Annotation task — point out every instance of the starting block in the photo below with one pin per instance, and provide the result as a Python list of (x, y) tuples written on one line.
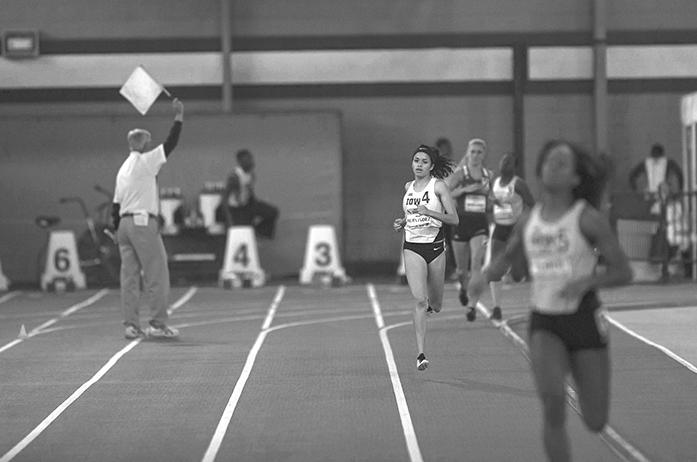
[(62, 269), (322, 257), (241, 266), (4, 283)]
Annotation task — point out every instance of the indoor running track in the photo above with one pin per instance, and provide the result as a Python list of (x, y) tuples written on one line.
[(291, 373)]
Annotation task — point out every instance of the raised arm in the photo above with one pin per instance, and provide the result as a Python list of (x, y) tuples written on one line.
[(173, 137)]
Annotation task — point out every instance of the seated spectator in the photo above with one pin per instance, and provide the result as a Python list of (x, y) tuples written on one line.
[(648, 175), (240, 205)]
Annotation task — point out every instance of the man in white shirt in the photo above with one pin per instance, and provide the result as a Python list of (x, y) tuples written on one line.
[(135, 215)]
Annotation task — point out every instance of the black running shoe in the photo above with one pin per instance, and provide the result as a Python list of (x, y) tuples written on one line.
[(496, 313), (464, 300), (471, 314), (421, 362)]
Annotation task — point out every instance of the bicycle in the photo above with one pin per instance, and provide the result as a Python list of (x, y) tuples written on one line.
[(98, 252)]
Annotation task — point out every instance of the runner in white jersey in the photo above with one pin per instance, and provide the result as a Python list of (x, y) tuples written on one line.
[(510, 196), (426, 205), (470, 186), (557, 252), (562, 238)]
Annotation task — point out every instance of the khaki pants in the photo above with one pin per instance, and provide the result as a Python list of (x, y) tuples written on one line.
[(142, 249)]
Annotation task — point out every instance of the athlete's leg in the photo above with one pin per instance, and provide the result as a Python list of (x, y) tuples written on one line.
[(494, 248), (477, 252), (436, 280), (416, 270), (550, 365), (461, 249), (591, 372)]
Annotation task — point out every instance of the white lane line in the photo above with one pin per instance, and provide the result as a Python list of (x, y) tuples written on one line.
[(614, 440), (224, 422), (9, 455), (183, 299), (9, 296), (668, 352), (72, 309), (405, 417)]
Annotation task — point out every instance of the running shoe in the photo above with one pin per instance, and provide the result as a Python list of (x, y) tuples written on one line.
[(471, 313), (132, 332), (421, 362), (496, 313), (162, 331), (464, 300), (430, 310)]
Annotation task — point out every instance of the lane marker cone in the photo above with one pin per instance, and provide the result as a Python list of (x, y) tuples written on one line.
[(23, 332), (241, 267), (62, 270), (322, 258)]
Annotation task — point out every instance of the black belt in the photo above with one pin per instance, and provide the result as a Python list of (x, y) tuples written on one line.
[(152, 215)]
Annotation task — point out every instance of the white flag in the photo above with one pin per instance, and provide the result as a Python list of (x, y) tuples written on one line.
[(141, 90)]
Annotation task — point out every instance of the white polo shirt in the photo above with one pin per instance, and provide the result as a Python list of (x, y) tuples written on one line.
[(136, 184)]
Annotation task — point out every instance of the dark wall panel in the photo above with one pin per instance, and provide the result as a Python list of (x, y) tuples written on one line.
[(68, 19), (44, 158), (379, 136)]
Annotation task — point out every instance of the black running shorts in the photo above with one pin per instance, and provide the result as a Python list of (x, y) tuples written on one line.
[(583, 329)]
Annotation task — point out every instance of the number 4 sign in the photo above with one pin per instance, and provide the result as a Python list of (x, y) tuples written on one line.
[(62, 263), (321, 255), (241, 264)]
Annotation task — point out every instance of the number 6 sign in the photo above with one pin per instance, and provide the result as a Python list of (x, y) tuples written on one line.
[(62, 260)]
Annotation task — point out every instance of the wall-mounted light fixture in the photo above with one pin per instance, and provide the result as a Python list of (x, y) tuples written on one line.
[(20, 44)]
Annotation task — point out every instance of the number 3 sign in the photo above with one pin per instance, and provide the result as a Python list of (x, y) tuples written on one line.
[(321, 255)]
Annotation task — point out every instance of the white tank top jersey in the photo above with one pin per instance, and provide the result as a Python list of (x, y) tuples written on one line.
[(557, 253), (511, 202), (421, 228)]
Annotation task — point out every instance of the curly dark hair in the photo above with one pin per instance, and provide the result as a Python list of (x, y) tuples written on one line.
[(591, 170), (442, 166)]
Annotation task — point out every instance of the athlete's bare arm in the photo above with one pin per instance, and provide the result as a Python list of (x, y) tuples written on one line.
[(450, 216)]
